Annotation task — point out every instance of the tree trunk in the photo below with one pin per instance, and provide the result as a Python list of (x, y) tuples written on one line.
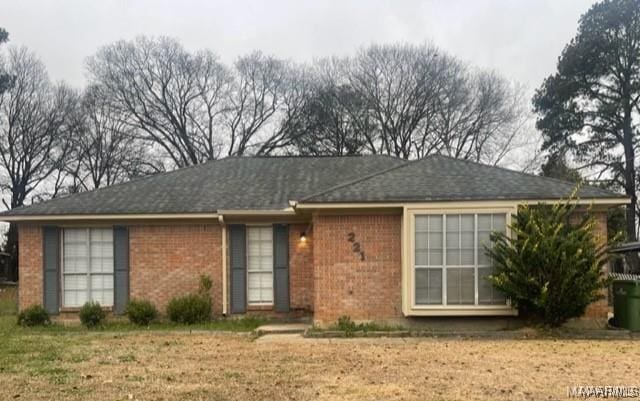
[(632, 258), (11, 247)]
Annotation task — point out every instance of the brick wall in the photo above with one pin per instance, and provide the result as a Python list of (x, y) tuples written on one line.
[(599, 309), (30, 262), (167, 260), (368, 289), (300, 268)]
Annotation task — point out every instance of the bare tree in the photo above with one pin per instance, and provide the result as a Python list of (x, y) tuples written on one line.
[(106, 150), (327, 122), (172, 96), (479, 116), (257, 91), (400, 85), (34, 133)]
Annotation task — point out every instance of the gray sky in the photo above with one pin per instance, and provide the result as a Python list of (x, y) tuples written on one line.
[(520, 38)]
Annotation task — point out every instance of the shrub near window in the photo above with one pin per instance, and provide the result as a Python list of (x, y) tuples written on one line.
[(141, 312), (91, 314), (189, 309), (192, 308), (34, 315), (551, 266)]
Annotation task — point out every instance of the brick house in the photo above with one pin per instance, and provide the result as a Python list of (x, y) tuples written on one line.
[(372, 237)]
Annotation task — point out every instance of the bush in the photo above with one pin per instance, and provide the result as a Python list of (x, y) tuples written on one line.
[(141, 312), (189, 309), (346, 324), (34, 315), (91, 314), (551, 267)]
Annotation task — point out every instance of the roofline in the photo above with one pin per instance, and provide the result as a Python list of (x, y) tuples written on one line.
[(257, 212), (150, 216), (76, 217), (414, 204), (294, 205)]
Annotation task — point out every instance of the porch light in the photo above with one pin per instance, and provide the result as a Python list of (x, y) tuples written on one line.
[(303, 237)]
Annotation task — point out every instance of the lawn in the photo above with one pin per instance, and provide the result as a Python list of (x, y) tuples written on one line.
[(169, 364), (221, 360)]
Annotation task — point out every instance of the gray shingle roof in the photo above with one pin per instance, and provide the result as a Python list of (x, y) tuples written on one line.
[(442, 178), (243, 183), (269, 183)]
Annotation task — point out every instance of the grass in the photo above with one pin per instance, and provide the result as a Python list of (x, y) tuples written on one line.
[(179, 365), (8, 300), (171, 362)]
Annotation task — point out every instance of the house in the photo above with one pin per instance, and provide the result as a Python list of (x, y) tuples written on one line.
[(371, 237)]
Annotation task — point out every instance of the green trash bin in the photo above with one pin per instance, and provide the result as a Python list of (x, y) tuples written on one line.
[(626, 304)]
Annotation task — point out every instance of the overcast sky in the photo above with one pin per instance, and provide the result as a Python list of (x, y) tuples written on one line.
[(520, 38)]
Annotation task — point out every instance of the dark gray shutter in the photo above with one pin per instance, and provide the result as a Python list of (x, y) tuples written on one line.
[(120, 269), (281, 267), (238, 259), (51, 269)]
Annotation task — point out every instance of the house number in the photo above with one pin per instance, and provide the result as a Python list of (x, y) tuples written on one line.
[(355, 246)]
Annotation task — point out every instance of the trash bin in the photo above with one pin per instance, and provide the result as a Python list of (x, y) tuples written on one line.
[(626, 304)]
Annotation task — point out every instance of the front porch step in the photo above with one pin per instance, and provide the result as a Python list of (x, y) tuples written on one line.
[(284, 328)]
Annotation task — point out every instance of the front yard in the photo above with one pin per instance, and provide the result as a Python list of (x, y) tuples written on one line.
[(45, 364)]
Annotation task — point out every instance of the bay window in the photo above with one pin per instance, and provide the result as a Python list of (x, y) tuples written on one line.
[(450, 265), (87, 266)]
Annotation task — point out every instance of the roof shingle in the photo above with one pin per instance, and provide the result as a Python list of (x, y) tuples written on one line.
[(269, 183)]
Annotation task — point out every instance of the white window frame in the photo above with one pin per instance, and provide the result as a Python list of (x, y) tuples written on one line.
[(259, 304), (410, 308), (88, 273)]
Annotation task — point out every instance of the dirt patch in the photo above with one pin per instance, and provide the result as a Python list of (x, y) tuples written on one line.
[(204, 366)]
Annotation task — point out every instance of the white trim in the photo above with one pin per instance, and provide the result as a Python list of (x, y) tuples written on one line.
[(75, 217), (239, 212), (456, 203), (469, 311), (409, 307), (224, 267)]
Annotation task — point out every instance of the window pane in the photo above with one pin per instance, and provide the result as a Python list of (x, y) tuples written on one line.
[(483, 258), (88, 254), (421, 240), (435, 240), (466, 257), (421, 258), (428, 286), (466, 222), (499, 222), (422, 223), (75, 282), (487, 294), (76, 252), (101, 282), (453, 223), (75, 290), (260, 268), (484, 222), (467, 240), (460, 286), (435, 257), (435, 223), (453, 257), (453, 240)]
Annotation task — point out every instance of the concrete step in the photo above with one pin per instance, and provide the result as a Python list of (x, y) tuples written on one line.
[(283, 328)]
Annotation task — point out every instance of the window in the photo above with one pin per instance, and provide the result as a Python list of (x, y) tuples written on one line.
[(87, 266), (450, 262), (260, 264)]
